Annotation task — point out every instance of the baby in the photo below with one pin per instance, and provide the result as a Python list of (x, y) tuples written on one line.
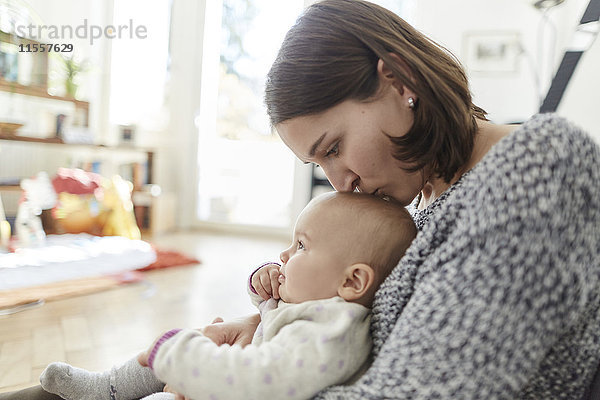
[(316, 335)]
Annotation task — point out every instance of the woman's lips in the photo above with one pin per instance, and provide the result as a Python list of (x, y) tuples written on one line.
[(281, 278), (379, 193)]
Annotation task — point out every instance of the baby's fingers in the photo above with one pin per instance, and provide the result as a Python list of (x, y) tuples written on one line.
[(257, 285), (261, 291), (274, 281), (265, 282)]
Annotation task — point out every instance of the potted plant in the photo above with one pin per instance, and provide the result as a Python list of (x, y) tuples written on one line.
[(72, 69)]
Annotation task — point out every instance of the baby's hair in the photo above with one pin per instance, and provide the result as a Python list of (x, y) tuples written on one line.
[(383, 229)]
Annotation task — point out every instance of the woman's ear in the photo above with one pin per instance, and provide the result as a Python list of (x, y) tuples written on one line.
[(386, 75), (358, 279)]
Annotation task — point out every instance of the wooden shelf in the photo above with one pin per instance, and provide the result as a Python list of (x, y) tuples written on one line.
[(42, 91), (15, 138), (10, 188), (37, 91), (58, 141)]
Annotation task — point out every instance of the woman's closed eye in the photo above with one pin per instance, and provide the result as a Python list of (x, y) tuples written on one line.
[(334, 150)]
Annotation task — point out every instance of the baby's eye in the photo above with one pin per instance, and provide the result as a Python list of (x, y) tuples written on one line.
[(300, 245)]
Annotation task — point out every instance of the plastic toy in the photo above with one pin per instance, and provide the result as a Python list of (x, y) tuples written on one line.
[(92, 204), (38, 195), (4, 229), (120, 219)]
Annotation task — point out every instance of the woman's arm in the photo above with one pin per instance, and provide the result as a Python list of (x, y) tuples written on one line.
[(237, 331), (301, 359)]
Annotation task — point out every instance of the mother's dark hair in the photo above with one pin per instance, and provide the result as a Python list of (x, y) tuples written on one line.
[(330, 55)]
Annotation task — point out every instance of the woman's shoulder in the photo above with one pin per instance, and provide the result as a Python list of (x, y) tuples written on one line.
[(545, 144), (539, 152), (550, 123), (523, 172), (540, 134)]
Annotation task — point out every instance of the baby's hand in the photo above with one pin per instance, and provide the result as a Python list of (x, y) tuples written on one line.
[(266, 281)]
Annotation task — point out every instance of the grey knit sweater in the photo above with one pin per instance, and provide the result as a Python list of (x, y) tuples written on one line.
[(498, 296)]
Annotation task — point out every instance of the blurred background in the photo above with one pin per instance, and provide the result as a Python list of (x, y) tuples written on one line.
[(175, 99)]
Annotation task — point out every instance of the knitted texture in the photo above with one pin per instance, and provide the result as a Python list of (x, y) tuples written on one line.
[(498, 296)]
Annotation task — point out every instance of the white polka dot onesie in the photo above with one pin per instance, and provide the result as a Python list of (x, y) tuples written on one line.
[(297, 350)]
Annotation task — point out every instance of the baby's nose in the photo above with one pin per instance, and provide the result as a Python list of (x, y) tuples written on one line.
[(283, 257)]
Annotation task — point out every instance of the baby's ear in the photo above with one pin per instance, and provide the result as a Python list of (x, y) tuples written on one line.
[(358, 279)]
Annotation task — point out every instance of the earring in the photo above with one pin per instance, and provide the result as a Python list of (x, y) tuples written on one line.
[(411, 103)]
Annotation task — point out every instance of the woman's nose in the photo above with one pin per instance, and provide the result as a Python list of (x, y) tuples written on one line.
[(342, 180)]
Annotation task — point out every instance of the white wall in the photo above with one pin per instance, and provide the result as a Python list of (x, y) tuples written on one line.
[(507, 96), (581, 101), (177, 169)]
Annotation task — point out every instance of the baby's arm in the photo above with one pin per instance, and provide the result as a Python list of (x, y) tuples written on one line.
[(303, 358)]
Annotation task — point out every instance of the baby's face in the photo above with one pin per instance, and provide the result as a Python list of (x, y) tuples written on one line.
[(313, 265)]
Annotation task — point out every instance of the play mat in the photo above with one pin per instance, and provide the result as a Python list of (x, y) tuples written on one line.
[(72, 256)]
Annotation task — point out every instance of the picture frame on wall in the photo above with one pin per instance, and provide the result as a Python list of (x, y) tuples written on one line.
[(9, 66), (27, 68), (127, 134), (492, 52)]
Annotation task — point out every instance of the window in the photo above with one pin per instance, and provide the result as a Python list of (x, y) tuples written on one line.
[(139, 66), (246, 174)]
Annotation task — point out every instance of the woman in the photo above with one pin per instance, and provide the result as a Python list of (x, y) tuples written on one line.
[(498, 296)]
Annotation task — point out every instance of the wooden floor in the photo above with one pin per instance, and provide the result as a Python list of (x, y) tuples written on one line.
[(99, 330)]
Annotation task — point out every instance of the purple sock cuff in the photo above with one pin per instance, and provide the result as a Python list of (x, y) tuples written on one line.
[(255, 271), (159, 343)]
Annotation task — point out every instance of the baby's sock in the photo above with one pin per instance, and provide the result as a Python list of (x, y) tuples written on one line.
[(127, 382)]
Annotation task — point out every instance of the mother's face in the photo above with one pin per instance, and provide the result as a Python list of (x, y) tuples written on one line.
[(349, 142)]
